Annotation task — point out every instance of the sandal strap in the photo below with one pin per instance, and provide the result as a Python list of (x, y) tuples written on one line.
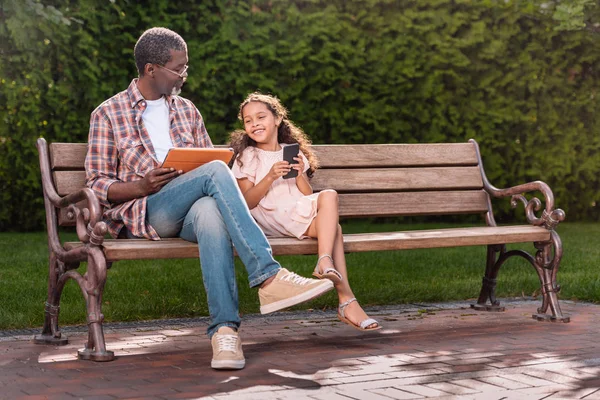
[(345, 304), (333, 270), (367, 322), (324, 256)]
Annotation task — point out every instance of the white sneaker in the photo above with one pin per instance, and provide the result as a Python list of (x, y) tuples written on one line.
[(289, 289), (227, 349)]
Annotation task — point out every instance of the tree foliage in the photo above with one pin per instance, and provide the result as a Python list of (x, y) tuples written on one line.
[(519, 77)]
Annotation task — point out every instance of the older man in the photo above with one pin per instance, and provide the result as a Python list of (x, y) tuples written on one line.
[(130, 134)]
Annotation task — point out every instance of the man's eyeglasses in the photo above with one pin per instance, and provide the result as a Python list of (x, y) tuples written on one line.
[(182, 74)]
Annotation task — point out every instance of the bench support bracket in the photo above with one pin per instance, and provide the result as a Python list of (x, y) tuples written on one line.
[(545, 262)]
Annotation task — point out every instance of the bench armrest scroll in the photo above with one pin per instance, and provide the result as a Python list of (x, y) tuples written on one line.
[(550, 216), (89, 224)]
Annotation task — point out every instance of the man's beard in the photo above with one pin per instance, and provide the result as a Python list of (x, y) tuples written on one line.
[(176, 90)]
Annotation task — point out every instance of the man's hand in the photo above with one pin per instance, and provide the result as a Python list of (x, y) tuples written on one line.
[(156, 179), (120, 192)]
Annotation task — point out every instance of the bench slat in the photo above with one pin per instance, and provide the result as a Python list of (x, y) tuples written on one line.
[(67, 156), (67, 182), (413, 203), (392, 204), (383, 179), (396, 155), (134, 249), (368, 180)]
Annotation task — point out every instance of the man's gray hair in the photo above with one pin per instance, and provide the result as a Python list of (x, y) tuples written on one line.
[(154, 47)]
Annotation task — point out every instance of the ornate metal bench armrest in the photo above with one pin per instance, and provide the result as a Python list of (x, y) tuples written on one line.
[(89, 225), (550, 216)]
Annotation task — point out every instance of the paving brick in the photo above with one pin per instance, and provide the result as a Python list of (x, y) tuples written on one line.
[(541, 391), (451, 388), (365, 395), (528, 380), (504, 383), (464, 368), (593, 396), (415, 373), (394, 393), (477, 385), (476, 354), (328, 396), (553, 376), (574, 394), (422, 390), (363, 378)]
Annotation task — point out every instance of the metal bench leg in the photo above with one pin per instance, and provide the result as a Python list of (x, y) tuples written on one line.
[(488, 287), (547, 268), (51, 333), (95, 348)]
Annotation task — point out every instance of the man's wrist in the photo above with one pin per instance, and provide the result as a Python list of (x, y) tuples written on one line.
[(139, 191)]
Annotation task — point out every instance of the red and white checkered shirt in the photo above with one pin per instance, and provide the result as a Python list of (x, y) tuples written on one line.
[(120, 150)]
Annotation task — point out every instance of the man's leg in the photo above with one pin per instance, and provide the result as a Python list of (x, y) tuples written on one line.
[(204, 225), (171, 214), (169, 208)]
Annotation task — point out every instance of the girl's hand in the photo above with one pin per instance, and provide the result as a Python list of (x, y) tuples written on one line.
[(278, 170), (299, 166)]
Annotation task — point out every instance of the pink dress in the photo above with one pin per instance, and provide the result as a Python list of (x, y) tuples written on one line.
[(284, 211)]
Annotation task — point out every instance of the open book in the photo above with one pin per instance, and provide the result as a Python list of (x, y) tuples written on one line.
[(186, 158)]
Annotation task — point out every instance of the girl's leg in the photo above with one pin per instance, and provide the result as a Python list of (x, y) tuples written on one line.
[(326, 228)]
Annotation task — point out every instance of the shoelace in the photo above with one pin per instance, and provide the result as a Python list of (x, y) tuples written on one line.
[(227, 342), (297, 279)]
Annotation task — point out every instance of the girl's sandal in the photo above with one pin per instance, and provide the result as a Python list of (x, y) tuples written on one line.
[(363, 326), (329, 273)]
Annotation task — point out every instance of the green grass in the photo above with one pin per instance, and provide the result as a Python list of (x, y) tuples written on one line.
[(173, 288)]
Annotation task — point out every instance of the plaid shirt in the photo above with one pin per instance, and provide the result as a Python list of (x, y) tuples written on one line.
[(120, 150)]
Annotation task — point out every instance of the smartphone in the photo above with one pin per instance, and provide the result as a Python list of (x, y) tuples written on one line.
[(289, 152)]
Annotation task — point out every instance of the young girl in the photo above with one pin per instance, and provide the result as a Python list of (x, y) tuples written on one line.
[(288, 207)]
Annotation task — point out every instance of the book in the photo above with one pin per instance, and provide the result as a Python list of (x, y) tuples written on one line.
[(189, 158)]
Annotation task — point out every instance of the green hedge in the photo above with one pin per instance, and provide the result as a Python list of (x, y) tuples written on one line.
[(350, 71)]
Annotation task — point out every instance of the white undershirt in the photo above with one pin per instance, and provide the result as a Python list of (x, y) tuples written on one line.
[(156, 121)]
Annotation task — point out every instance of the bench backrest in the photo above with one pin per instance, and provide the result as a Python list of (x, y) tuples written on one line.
[(372, 180)]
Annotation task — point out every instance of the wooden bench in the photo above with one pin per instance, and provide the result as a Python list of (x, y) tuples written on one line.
[(372, 180)]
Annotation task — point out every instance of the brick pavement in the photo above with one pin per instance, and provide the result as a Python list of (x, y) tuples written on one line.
[(432, 351)]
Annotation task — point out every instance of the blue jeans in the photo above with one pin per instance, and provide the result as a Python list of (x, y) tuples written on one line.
[(206, 206)]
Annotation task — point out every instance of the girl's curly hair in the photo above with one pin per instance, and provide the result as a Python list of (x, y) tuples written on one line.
[(287, 132)]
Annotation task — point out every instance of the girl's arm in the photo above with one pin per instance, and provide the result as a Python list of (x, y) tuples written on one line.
[(302, 178), (253, 194), (303, 184)]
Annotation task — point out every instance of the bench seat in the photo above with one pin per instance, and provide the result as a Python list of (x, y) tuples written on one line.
[(140, 249)]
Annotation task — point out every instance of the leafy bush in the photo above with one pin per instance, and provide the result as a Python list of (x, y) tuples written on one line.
[(516, 76)]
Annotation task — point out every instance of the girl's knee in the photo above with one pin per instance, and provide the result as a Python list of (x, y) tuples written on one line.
[(329, 196)]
